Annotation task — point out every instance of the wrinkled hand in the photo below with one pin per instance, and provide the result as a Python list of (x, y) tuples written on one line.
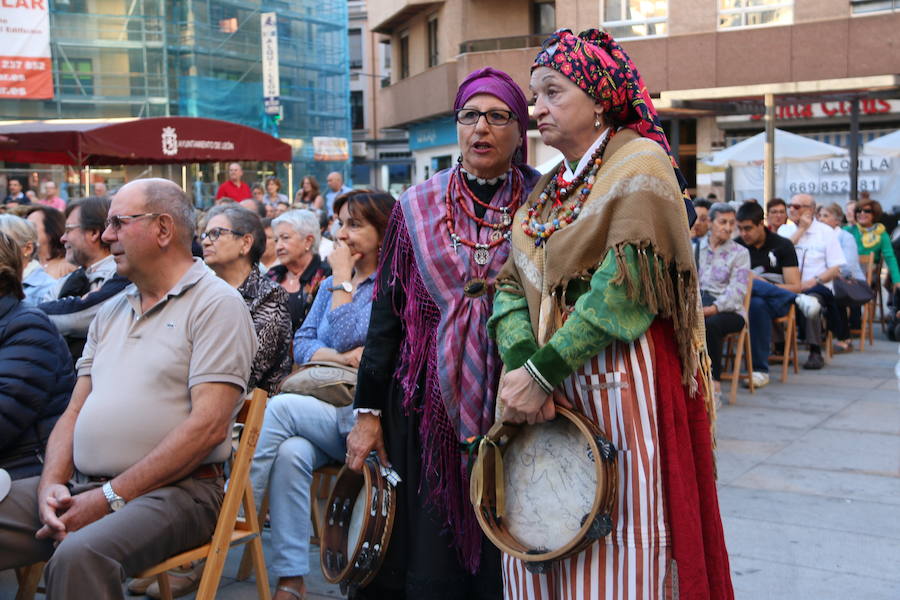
[(86, 508), (351, 358), (523, 399), (805, 221), (342, 262), (53, 500), (365, 436)]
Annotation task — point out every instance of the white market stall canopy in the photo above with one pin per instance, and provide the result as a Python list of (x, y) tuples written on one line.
[(886, 145), (789, 147)]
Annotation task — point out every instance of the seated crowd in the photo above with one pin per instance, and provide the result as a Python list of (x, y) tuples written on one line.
[(91, 465)]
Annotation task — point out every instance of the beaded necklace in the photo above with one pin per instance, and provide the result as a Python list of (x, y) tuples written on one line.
[(562, 215), (500, 230)]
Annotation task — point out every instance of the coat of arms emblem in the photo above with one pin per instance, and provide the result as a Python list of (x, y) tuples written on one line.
[(169, 141)]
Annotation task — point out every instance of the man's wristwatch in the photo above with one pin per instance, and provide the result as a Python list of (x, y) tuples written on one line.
[(115, 501), (346, 286)]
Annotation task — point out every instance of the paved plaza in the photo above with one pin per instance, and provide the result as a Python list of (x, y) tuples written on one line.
[(809, 483)]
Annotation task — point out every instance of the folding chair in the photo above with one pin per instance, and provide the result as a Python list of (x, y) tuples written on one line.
[(789, 354), (735, 347), (230, 530)]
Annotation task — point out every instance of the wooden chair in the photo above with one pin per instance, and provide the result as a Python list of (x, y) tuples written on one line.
[(230, 530), (868, 310), (789, 354), (735, 347)]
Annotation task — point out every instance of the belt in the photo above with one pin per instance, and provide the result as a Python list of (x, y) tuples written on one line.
[(207, 471)]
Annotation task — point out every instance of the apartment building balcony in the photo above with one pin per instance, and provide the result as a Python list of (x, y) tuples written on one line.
[(419, 97), (386, 15)]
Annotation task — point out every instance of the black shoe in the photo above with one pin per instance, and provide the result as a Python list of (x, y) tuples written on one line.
[(815, 361)]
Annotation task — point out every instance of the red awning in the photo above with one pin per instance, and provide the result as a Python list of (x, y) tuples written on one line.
[(156, 140)]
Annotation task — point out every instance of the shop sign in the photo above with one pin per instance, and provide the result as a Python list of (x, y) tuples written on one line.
[(25, 64), (833, 177), (437, 132)]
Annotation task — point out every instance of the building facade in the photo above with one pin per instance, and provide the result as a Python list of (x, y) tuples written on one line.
[(381, 156), (137, 58), (708, 62)]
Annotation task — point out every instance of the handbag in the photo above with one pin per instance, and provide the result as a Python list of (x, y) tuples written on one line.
[(852, 292), (329, 382)]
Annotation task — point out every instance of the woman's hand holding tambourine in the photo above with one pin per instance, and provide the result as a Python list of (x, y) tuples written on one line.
[(525, 402), (365, 436)]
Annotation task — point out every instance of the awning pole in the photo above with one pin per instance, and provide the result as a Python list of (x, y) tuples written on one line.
[(184, 178), (769, 157), (87, 181), (291, 183), (854, 148)]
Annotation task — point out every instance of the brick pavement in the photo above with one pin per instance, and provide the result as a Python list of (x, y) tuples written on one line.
[(809, 479)]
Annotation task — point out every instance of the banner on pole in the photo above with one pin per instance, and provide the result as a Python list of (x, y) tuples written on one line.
[(330, 148), (26, 70), (269, 36)]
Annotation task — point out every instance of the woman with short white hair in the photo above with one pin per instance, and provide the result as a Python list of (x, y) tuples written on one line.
[(35, 281), (297, 238)]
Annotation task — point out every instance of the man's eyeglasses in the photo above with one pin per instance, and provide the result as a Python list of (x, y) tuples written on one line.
[(116, 221), (868, 211), (216, 232), (470, 116), (799, 206), (71, 228)]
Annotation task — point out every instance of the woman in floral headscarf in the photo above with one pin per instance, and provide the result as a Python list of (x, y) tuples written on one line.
[(597, 308), (429, 373)]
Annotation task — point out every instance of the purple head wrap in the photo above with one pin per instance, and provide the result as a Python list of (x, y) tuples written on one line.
[(500, 85)]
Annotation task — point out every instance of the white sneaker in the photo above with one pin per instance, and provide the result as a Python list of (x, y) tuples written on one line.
[(760, 379), (808, 305)]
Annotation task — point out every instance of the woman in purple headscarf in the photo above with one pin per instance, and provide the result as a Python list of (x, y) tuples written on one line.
[(429, 372)]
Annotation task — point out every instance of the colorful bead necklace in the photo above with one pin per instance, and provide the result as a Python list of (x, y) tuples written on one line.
[(562, 215), (459, 190)]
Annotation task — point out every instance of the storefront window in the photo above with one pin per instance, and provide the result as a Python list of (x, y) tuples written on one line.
[(862, 7), (625, 19), (734, 14)]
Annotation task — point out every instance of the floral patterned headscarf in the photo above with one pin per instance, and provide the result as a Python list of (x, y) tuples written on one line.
[(598, 65)]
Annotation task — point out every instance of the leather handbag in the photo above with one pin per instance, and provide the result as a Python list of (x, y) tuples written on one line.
[(330, 382), (852, 291)]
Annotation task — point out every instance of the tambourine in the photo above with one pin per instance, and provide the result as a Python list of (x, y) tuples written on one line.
[(544, 492), (357, 524)]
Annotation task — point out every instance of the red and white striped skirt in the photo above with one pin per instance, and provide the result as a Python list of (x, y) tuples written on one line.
[(615, 389)]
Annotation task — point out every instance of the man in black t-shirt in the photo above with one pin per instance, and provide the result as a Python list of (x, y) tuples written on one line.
[(775, 274)]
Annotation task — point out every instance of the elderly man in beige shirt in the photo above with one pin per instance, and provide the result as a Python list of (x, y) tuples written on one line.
[(133, 472)]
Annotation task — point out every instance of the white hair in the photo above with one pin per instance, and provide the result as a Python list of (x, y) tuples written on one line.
[(304, 222), (21, 231)]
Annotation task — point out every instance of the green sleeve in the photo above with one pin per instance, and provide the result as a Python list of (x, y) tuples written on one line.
[(510, 326), (887, 254), (601, 315)]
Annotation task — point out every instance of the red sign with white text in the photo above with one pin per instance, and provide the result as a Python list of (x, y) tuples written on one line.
[(25, 63)]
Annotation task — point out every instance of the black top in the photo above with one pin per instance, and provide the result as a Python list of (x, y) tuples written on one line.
[(775, 254), (300, 301)]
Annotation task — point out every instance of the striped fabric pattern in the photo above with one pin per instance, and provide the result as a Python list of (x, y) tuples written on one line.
[(615, 390)]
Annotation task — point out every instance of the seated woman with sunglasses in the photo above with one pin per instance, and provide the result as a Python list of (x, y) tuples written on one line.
[(872, 238)]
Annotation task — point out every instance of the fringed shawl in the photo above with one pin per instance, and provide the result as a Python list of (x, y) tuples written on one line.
[(635, 201), (446, 348)]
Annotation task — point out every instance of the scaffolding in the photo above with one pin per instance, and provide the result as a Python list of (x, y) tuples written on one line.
[(137, 58)]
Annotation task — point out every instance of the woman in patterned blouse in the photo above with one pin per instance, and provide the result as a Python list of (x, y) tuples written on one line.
[(233, 241)]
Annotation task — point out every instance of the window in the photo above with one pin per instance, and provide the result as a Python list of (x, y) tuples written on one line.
[(76, 76), (357, 111), (543, 16), (355, 49), (625, 19), (755, 13), (862, 7), (432, 42), (404, 56)]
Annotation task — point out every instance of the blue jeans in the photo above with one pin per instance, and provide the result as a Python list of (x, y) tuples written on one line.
[(767, 302), (299, 434)]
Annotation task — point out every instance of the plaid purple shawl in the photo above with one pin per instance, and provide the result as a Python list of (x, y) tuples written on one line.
[(446, 347)]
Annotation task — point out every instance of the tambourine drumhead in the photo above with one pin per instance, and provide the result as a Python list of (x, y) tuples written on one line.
[(550, 483), (543, 492), (5, 484), (355, 528)]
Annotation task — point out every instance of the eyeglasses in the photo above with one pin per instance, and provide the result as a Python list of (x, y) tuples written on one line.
[(799, 206), (116, 221), (71, 228), (868, 211), (470, 116), (214, 233)]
